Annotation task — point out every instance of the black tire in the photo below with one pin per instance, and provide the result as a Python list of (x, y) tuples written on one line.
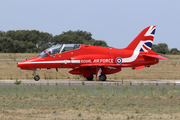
[(36, 78), (90, 78), (102, 77)]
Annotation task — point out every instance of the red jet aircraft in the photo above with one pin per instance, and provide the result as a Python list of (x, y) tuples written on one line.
[(87, 60)]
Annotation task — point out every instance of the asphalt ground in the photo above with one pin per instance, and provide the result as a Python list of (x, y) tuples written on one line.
[(79, 83)]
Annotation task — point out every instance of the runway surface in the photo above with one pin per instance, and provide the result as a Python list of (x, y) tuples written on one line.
[(85, 82)]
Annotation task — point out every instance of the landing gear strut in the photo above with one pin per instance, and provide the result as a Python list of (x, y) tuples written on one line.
[(36, 77)]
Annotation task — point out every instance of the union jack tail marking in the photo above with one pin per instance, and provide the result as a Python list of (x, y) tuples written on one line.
[(145, 38)]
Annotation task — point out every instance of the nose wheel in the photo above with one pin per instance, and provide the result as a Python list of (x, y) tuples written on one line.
[(36, 77)]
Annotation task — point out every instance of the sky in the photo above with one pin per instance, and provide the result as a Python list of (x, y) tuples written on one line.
[(117, 22)]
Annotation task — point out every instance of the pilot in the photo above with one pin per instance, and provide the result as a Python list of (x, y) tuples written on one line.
[(56, 51), (75, 47), (50, 52)]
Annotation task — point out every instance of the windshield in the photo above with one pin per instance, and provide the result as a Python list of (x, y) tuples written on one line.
[(59, 48), (43, 54)]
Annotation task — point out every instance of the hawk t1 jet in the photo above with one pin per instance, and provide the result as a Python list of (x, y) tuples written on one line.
[(88, 60)]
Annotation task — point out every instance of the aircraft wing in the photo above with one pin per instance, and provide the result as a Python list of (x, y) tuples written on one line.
[(156, 56), (105, 65), (86, 65)]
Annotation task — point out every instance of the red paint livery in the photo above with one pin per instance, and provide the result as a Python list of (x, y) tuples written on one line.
[(87, 60)]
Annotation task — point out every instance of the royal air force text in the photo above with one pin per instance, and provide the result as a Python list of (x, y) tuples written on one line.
[(97, 61)]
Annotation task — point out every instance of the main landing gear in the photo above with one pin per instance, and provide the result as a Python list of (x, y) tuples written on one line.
[(90, 78), (102, 77), (36, 77)]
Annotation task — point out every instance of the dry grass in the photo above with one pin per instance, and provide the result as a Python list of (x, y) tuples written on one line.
[(175, 57), (17, 55), (37, 114), (90, 103), (163, 70)]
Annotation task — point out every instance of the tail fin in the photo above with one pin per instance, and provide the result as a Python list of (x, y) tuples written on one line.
[(143, 42)]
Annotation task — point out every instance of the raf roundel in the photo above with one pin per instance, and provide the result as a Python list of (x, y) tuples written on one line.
[(118, 60)]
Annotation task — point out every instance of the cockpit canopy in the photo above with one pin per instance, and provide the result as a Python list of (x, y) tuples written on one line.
[(59, 48)]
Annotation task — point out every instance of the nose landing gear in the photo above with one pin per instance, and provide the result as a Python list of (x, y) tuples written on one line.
[(36, 77)]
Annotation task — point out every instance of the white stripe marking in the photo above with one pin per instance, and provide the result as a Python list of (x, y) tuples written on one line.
[(135, 54), (75, 61), (61, 61)]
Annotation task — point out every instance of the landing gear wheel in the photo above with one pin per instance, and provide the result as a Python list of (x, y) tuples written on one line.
[(90, 78), (36, 78), (102, 77)]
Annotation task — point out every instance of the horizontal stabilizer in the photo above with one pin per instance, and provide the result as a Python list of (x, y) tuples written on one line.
[(156, 56)]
